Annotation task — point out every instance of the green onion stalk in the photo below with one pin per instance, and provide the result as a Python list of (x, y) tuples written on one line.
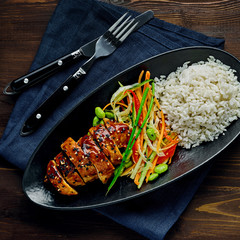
[(133, 139)]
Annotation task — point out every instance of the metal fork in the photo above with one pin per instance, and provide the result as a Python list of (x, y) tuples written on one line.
[(105, 46), (109, 42)]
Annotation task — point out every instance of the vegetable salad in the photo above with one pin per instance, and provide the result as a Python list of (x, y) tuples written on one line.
[(151, 144)]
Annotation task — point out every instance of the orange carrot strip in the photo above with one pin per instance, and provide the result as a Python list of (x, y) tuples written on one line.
[(150, 171), (106, 106), (139, 90), (163, 125), (137, 177), (123, 104), (140, 76), (149, 151), (139, 94), (169, 138), (126, 171), (147, 76)]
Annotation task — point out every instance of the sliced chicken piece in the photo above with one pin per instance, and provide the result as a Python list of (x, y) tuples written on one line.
[(76, 155), (119, 132), (106, 143), (68, 170), (104, 167), (57, 180)]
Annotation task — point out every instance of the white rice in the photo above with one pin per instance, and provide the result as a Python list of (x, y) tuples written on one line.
[(200, 100)]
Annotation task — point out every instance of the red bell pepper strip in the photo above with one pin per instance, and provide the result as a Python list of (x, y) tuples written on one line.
[(168, 154), (136, 104)]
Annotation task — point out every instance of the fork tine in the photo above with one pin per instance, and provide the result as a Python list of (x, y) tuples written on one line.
[(128, 32), (119, 28), (123, 30), (117, 22)]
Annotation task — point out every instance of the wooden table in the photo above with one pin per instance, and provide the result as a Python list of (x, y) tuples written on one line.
[(214, 212)]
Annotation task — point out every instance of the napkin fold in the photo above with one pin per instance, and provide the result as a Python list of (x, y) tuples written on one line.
[(74, 23)]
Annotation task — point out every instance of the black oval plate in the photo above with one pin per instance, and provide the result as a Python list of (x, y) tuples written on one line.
[(93, 195)]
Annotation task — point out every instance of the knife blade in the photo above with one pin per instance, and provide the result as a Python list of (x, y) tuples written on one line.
[(44, 72), (103, 49)]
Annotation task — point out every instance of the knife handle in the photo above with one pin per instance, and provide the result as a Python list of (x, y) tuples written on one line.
[(47, 107), (41, 74)]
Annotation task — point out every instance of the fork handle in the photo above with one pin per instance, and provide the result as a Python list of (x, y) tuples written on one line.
[(47, 107), (42, 73)]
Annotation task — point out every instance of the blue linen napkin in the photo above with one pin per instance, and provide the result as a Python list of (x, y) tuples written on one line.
[(74, 23)]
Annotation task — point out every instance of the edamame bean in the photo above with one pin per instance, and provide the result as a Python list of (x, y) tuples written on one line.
[(151, 134), (109, 114), (128, 164), (153, 177), (161, 168), (95, 121), (99, 112)]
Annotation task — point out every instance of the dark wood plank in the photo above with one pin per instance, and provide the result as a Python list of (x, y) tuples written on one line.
[(214, 212)]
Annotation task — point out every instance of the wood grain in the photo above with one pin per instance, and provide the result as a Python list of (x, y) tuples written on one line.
[(214, 212)]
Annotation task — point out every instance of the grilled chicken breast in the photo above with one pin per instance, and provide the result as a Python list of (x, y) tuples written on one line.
[(119, 132), (103, 166), (67, 169), (83, 165), (91, 157), (57, 180), (106, 143)]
